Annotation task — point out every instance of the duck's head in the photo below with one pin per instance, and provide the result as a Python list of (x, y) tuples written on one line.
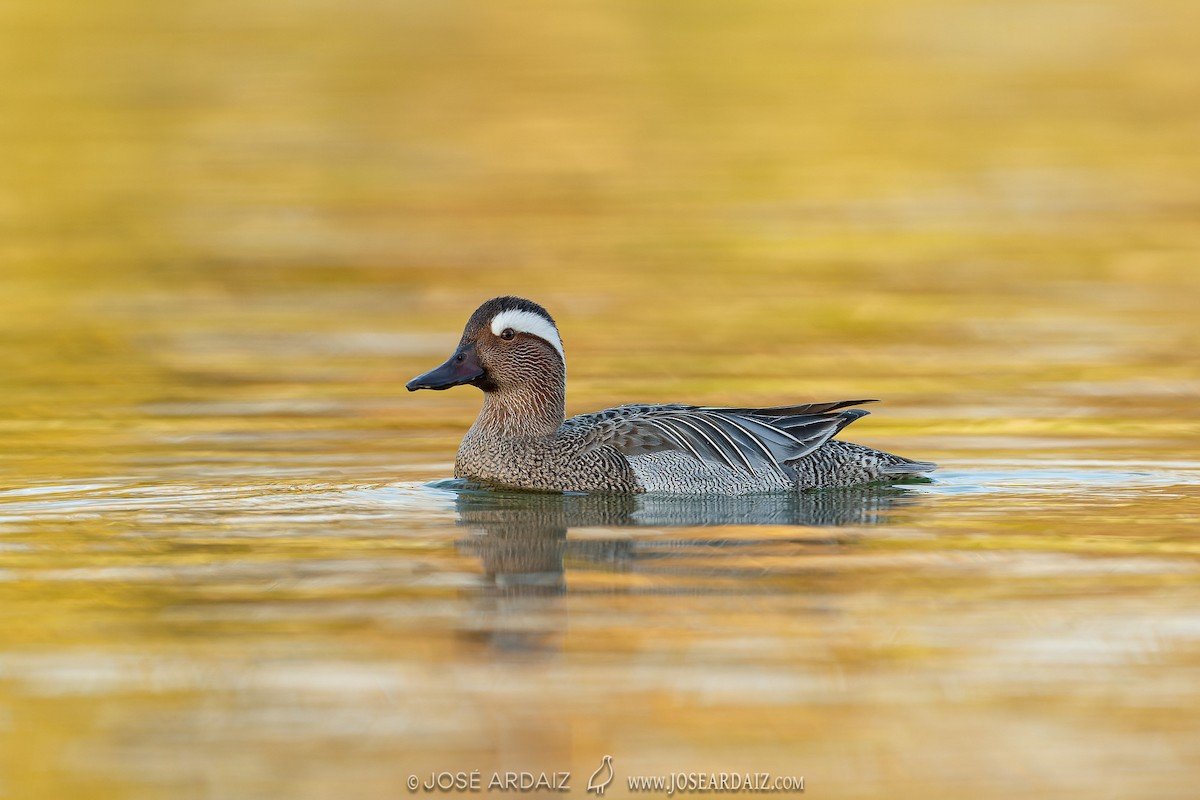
[(509, 343)]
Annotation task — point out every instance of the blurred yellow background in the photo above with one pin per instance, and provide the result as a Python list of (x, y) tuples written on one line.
[(816, 196)]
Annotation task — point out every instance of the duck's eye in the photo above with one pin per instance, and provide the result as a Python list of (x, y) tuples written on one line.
[(507, 334)]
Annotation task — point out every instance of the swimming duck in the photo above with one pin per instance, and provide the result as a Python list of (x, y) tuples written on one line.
[(511, 349)]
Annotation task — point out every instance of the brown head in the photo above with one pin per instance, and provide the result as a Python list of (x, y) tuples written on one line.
[(509, 348)]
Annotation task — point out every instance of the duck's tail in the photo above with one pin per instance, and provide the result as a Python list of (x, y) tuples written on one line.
[(900, 467)]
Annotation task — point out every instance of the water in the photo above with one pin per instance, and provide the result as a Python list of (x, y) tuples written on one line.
[(232, 560), (316, 636)]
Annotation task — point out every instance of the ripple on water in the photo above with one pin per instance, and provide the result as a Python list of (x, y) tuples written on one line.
[(297, 501), (437, 501), (1061, 476)]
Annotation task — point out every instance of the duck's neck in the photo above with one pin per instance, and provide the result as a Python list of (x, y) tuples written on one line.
[(534, 412)]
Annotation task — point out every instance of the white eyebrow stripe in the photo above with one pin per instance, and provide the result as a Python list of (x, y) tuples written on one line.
[(528, 322)]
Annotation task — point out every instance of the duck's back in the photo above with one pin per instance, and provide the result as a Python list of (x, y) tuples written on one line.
[(693, 450)]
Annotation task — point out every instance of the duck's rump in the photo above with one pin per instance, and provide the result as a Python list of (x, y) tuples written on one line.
[(837, 463)]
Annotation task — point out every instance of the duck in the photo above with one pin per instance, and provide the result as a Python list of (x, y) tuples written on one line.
[(511, 349)]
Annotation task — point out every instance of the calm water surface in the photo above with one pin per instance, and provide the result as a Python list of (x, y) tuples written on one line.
[(232, 563)]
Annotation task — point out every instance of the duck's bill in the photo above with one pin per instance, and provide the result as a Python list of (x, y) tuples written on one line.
[(462, 367)]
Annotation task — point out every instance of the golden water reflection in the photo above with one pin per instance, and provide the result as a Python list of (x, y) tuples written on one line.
[(527, 632)]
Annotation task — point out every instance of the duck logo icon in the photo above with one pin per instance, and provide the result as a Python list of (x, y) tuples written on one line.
[(602, 777)]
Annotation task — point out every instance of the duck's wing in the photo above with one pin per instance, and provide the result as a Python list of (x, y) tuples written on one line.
[(743, 439), (796, 411)]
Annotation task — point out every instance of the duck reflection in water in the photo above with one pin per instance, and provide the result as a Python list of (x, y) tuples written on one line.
[(521, 537), (521, 540)]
